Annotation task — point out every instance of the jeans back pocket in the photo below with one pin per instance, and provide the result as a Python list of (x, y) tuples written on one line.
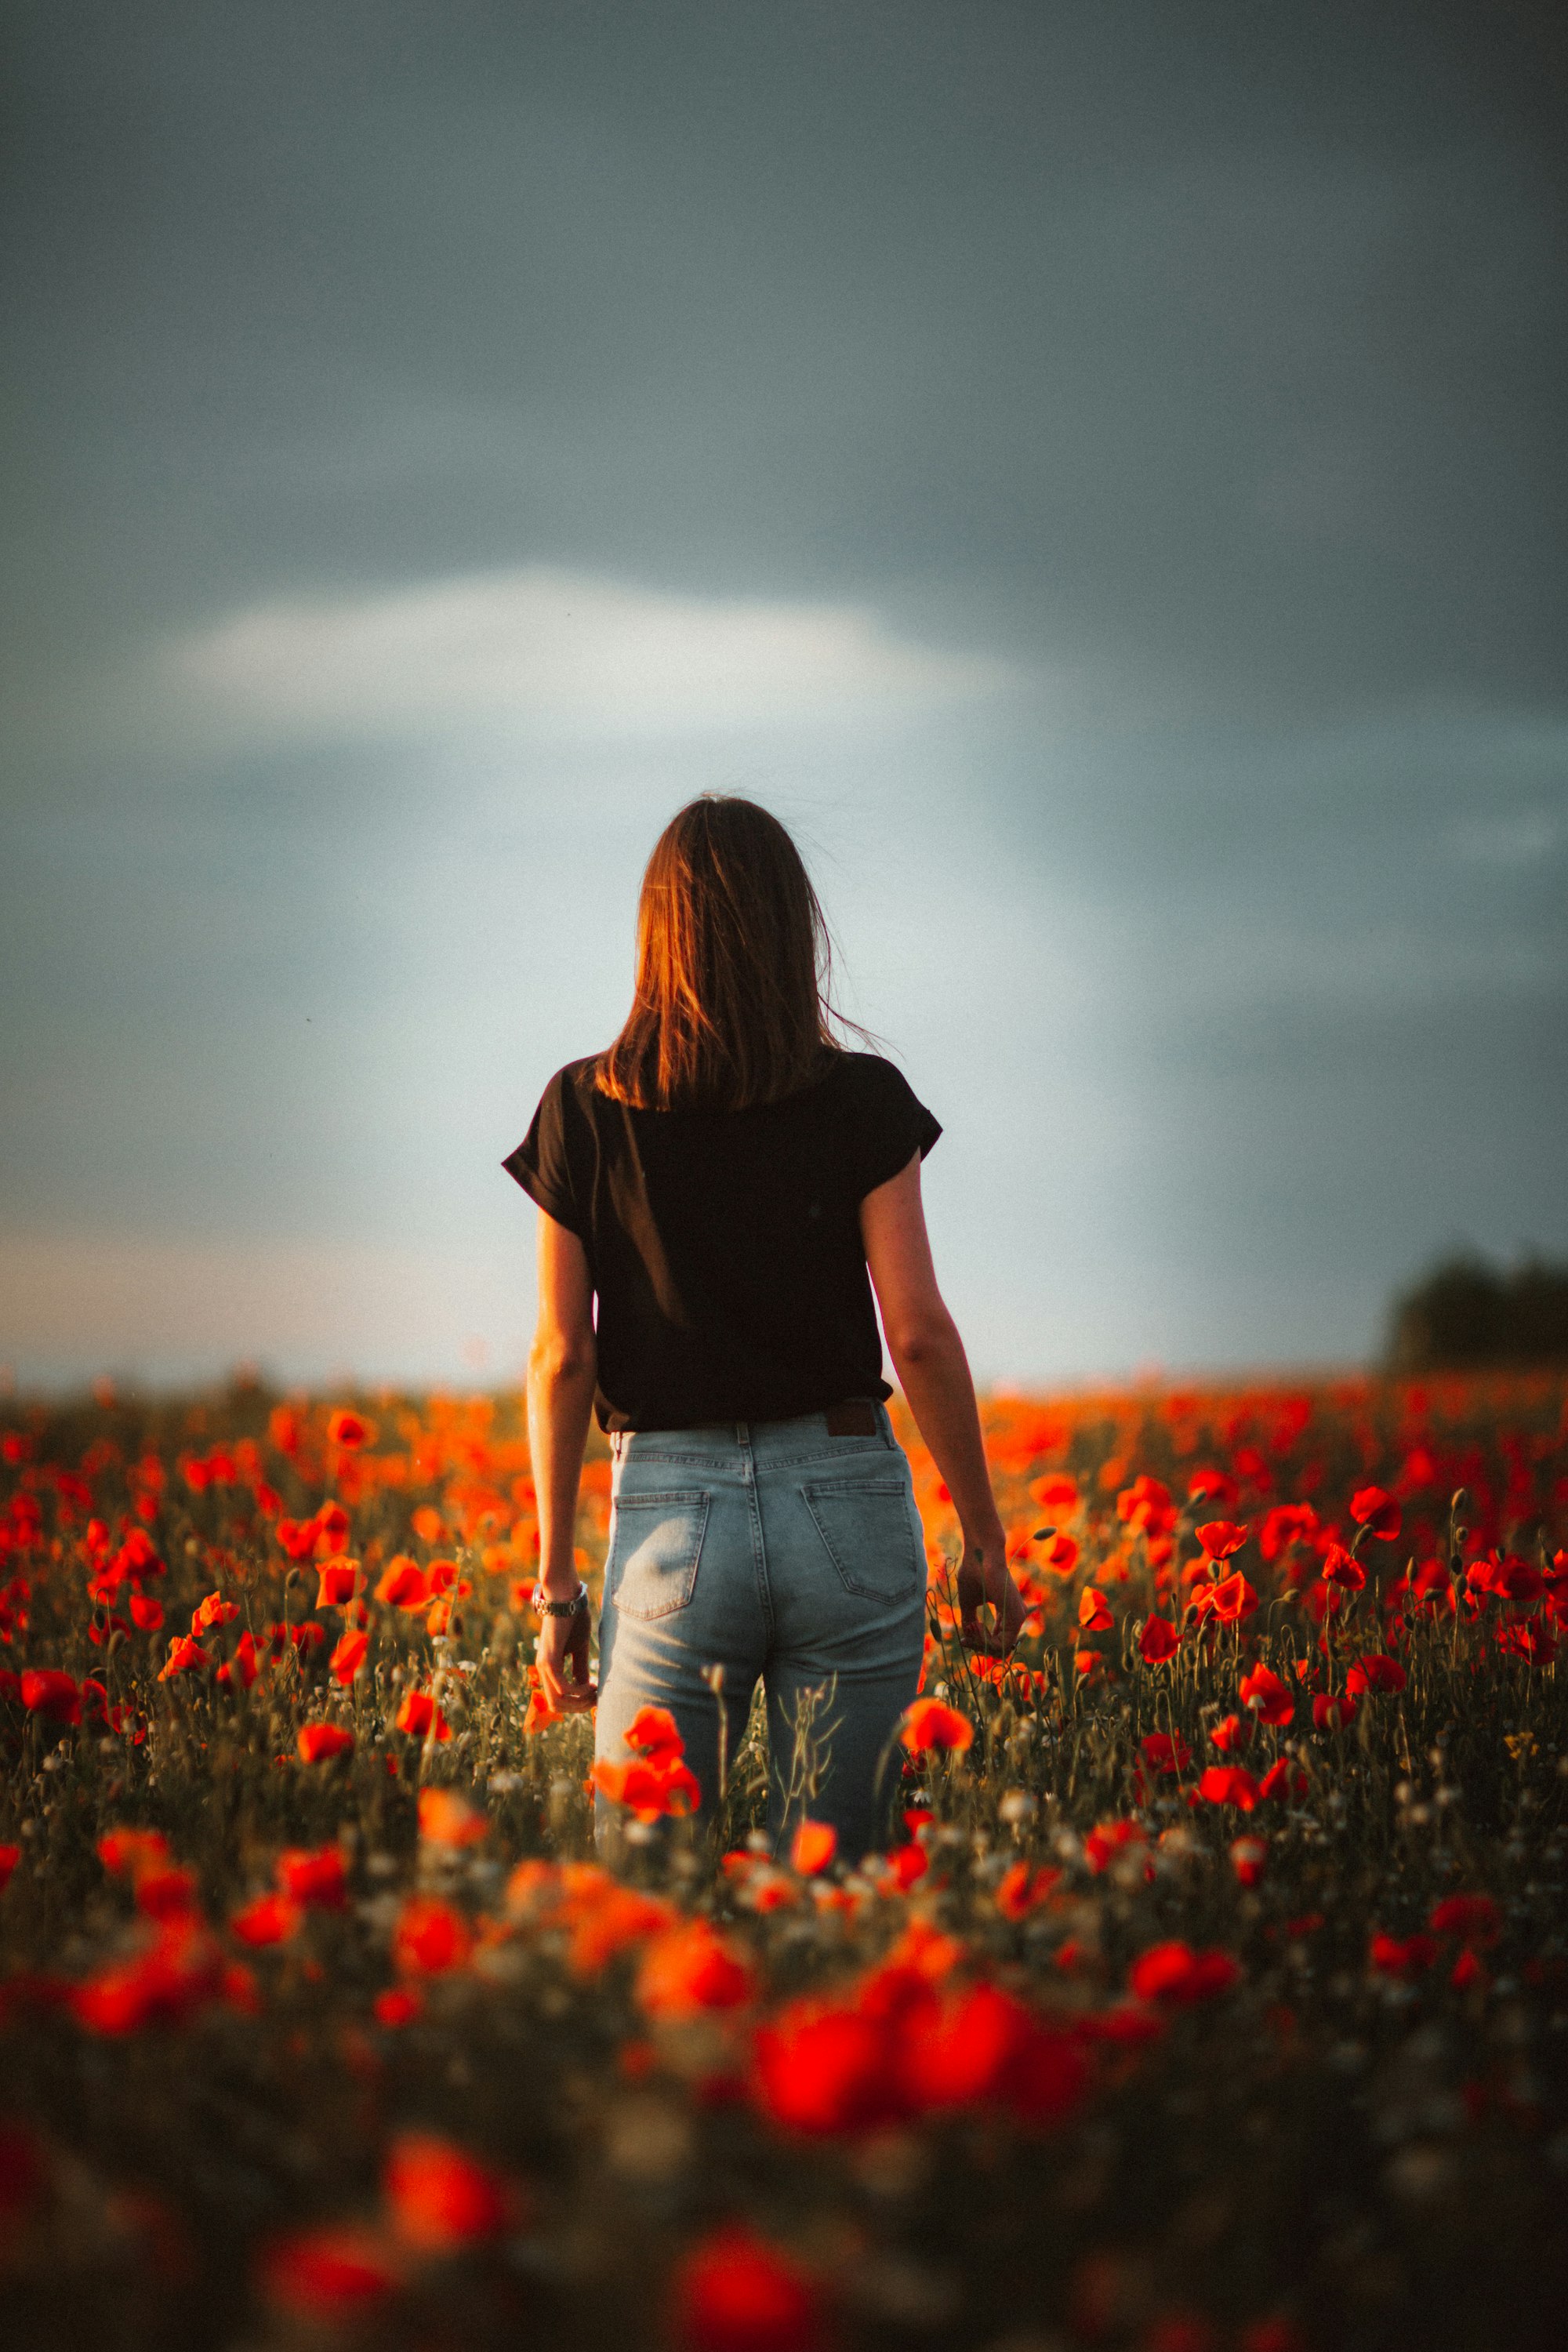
[(868, 1529), (656, 1543)]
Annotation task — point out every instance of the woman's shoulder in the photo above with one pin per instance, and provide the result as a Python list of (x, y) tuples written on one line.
[(869, 1076), (576, 1080), (567, 1102)]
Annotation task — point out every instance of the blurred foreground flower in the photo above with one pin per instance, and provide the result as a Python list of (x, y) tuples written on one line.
[(929, 1723), (335, 2274), (439, 2197), (736, 2292)]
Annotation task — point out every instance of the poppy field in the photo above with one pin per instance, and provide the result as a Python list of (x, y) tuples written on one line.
[(1212, 1996)]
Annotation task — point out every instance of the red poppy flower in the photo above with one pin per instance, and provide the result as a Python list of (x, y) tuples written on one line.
[(1056, 1493), (348, 1657), (1410, 1959), (1146, 1507), (927, 1724), (48, 1693), (1248, 1857), (1220, 1537), (1108, 1839), (397, 2006), (1473, 1918), (1060, 1553), (1166, 1753), (540, 1712), (127, 1854), (906, 1865), (430, 1937), (331, 1524), (180, 1974), (653, 1732), (270, 1919), (347, 1429), (1517, 1579), (146, 1612), (404, 1583), (1094, 1611), (339, 1579), (321, 1741), (1021, 1889), (691, 1969), (1126, 2025), (812, 1847), (419, 1715), (1286, 1524), (213, 1612), (166, 1894), (1231, 1600), (1231, 1733), (1375, 1673), (1282, 1781), (1173, 1973), (1271, 1700), (1340, 1568), (447, 1818), (957, 2054), (651, 1787), (1229, 1784), (1332, 1711), (733, 2292), (439, 2197), (1159, 1641), (820, 2068), (1372, 1508), (184, 1657), (10, 1856), (244, 1666), (313, 1876), (336, 2273)]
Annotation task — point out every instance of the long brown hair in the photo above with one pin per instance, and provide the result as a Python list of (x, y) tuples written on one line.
[(735, 964)]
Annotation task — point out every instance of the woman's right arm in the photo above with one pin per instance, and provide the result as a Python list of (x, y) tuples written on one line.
[(562, 1370), (934, 1372)]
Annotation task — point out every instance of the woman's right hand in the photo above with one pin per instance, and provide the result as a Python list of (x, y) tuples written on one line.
[(984, 1576), (561, 1655)]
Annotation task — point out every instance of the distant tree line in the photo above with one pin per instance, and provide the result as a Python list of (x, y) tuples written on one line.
[(1466, 1312)]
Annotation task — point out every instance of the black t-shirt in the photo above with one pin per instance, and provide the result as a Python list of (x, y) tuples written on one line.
[(724, 1246)]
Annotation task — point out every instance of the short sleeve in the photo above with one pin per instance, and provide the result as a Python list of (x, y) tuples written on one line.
[(895, 1125), (541, 1162)]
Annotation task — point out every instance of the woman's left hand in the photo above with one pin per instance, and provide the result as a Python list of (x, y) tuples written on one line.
[(561, 1654), (984, 1577)]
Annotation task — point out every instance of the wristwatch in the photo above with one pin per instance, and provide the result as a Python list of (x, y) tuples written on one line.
[(540, 1604)]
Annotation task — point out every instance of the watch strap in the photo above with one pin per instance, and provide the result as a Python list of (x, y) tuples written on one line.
[(542, 1606)]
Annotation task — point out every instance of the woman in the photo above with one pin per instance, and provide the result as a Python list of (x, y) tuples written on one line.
[(724, 1178)]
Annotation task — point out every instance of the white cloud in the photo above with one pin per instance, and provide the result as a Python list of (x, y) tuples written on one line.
[(555, 650)]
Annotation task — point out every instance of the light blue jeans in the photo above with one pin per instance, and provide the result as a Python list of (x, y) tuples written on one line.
[(769, 1548)]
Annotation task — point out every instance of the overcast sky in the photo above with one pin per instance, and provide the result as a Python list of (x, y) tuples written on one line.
[(1097, 471)]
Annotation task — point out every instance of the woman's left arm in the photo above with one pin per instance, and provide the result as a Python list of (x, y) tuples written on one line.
[(562, 1368)]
